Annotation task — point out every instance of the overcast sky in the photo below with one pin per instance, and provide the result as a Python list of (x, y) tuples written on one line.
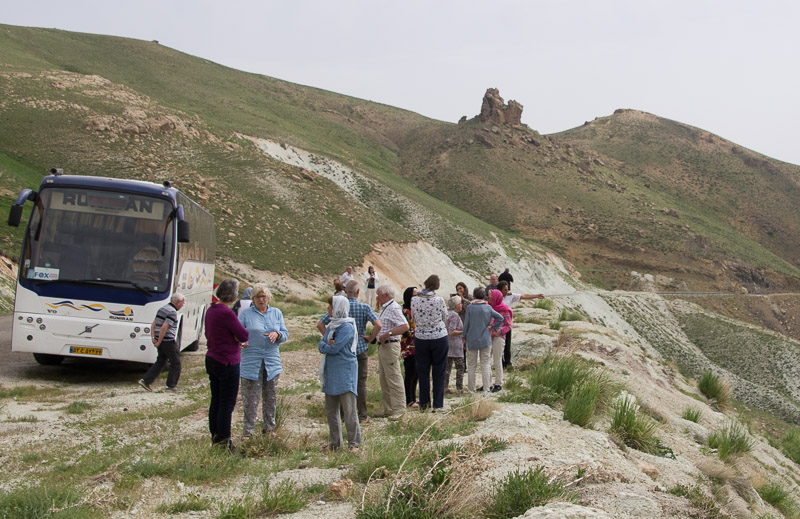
[(726, 66)]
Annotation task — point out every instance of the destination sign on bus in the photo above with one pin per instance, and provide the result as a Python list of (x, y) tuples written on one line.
[(108, 203)]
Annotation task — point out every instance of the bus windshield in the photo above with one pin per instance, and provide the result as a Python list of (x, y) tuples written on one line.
[(99, 237)]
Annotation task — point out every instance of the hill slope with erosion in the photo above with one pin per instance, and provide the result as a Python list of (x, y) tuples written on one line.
[(630, 192), (303, 182)]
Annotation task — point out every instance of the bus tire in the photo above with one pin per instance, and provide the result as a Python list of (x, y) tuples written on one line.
[(46, 359), (194, 346)]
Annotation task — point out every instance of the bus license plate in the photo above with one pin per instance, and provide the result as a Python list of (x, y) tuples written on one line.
[(82, 350)]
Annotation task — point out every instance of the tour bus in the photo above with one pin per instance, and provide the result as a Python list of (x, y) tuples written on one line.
[(99, 258)]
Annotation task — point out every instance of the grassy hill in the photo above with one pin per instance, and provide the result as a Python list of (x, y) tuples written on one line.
[(631, 191)]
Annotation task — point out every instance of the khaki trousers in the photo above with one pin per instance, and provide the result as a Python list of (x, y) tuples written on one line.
[(393, 391), (486, 368)]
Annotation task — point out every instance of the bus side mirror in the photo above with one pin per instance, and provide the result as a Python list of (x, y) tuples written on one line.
[(15, 215), (183, 231)]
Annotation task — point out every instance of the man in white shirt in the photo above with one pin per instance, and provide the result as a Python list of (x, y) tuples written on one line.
[(509, 299), (393, 326)]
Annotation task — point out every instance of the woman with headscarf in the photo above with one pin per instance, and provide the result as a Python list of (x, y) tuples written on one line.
[(499, 336), (407, 350), (244, 302), (339, 375), (261, 360), (225, 337), (430, 342)]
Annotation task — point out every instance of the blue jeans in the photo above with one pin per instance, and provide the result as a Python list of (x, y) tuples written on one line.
[(431, 356), (224, 379)]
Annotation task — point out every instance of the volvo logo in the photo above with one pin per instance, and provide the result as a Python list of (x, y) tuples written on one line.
[(88, 329)]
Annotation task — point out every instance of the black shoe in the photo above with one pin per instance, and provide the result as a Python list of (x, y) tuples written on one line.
[(496, 388), (145, 385), (480, 389)]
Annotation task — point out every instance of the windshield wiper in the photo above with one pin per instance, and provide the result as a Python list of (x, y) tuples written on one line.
[(98, 282)]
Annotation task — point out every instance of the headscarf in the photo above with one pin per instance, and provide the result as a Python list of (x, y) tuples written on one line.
[(247, 292), (407, 295), (496, 300), (341, 315)]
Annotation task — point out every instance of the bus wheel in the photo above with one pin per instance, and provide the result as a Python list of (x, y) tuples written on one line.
[(193, 346), (45, 359)]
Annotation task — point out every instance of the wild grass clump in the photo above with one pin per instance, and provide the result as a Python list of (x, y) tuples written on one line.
[(520, 491), (294, 306), (78, 407), (775, 494), (191, 503), (704, 504), (440, 484), (731, 440), (569, 315), (283, 498), (308, 342), (544, 304), (692, 414), (633, 428), (584, 389), (790, 444), (46, 501), (714, 388), (187, 461), (555, 325)]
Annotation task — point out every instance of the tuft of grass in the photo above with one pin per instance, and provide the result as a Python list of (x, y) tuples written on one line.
[(187, 461), (78, 407), (584, 399), (692, 414), (714, 388), (192, 503), (555, 325), (705, 505), (731, 440), (284, 498), (633, 428), (45, 501), (775, 494), (544, 304), (790, 444), (520, 491), (569, 315)]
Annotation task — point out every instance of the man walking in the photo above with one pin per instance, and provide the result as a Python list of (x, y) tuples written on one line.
[(163, 333), (509, 299), (362, 314), (393, 392)]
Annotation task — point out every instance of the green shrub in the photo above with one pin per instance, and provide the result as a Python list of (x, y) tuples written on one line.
[(790, 444), (520, 491), (633, 428), (714, 388), (187, 461), (692, 414), (732, 439), (544, 304), (555, 325)]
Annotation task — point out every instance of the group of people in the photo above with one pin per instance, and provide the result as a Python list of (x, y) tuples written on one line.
[(427, 334)]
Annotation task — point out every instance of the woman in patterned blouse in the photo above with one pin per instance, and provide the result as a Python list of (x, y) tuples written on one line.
[(430, 343)]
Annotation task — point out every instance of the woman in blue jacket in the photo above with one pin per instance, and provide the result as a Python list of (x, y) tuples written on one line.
[(339, 375), (478, 320), (261, 359)]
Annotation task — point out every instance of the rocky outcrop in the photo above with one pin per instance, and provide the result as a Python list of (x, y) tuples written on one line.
[(494, 110)]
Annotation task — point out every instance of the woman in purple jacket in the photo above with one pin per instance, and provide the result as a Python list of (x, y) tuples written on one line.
[(226, 337)]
